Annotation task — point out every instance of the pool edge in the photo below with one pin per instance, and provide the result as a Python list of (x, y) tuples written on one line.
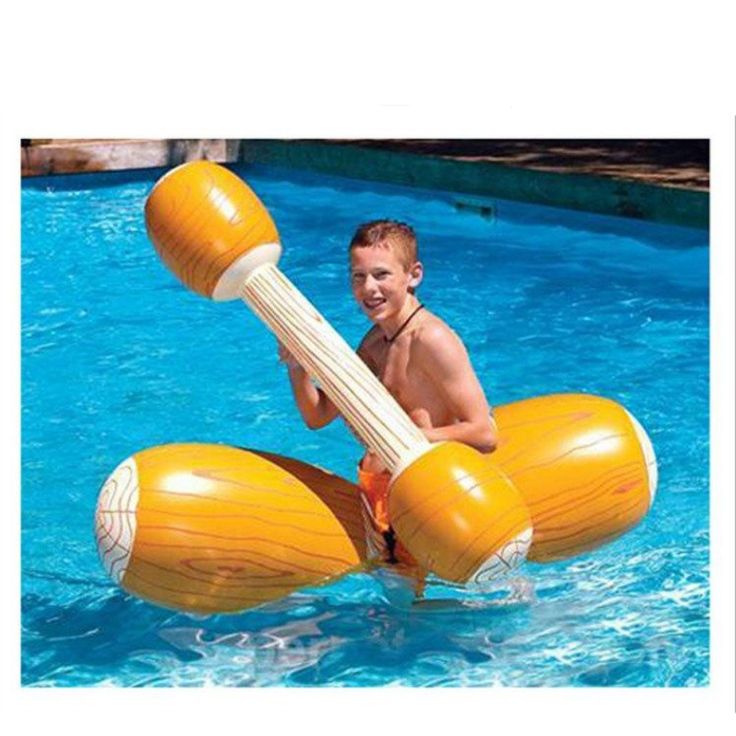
[(586, 192)]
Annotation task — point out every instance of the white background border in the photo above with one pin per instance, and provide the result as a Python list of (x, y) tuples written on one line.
[(328, 69)]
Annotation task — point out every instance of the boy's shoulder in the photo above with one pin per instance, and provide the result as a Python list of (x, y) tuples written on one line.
[(438, 349), (434, 334), (373, 336)]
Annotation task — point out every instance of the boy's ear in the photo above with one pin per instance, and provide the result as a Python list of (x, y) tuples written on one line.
[(416, 272)]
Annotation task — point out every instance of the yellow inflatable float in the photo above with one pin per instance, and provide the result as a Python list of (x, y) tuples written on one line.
[(210, 528), (584, 465)]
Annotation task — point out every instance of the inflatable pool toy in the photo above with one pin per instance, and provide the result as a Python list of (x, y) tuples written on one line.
[(457, 514), (210, 528), (570, 472), (584, 465)]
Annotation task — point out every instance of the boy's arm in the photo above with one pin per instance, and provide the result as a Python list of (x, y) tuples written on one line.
[(316, 408), (445, 362)]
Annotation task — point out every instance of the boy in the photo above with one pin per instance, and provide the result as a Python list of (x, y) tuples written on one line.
[(417, 357)]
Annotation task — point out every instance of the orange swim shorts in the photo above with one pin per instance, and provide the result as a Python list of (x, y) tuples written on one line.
[(374, 489)]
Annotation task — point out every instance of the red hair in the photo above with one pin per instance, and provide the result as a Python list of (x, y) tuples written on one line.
[(398, 236)]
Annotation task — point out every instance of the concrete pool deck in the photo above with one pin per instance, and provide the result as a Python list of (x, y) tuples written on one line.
[(658, 180)]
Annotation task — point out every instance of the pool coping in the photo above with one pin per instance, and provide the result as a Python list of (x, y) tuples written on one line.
[(607, 195)]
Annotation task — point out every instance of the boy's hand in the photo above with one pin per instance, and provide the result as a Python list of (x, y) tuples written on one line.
[(286, 357), (421, 418)]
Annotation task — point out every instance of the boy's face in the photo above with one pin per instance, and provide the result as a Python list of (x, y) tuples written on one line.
[(380, 281)]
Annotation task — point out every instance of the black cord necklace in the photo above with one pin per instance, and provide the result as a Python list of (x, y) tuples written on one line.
[(389, 340)]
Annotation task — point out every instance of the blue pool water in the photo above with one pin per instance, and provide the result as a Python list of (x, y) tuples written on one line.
[(117, 356)]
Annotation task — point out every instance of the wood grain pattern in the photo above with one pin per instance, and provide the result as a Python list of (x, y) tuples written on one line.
[(579, 464), (221, 529), (201, 218), (454, 510)]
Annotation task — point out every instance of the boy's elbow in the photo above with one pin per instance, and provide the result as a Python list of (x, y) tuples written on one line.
[(321, 414), (314, 422), (488, 447), (489, 440), (318, 420)]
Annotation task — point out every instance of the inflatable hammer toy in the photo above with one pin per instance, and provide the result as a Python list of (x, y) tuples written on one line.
[(453, 509), (217, 529)]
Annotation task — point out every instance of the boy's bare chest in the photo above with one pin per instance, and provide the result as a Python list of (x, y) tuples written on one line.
[(400, 375)]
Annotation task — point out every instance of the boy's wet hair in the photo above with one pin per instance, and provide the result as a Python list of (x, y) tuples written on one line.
[(398, 235)]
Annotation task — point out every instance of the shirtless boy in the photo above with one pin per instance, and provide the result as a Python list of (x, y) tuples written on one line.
[(420, 360)]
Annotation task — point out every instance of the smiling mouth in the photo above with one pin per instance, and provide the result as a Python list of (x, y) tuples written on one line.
[(371, 304)]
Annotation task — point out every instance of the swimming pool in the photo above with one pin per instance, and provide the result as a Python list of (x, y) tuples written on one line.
[(117, 356)]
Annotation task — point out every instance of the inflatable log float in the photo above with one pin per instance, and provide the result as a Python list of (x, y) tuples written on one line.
[(211, 528)]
